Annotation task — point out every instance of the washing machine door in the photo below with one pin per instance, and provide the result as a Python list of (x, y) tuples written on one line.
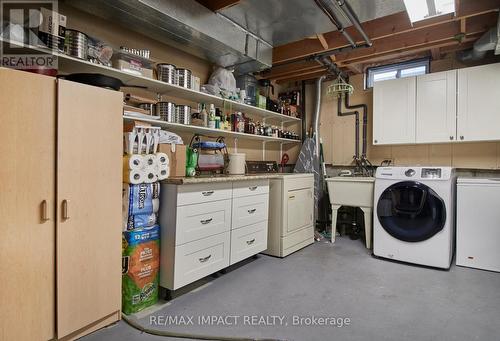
[(411, 211)]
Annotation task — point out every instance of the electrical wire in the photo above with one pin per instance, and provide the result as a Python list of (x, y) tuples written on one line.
[(166, 333)]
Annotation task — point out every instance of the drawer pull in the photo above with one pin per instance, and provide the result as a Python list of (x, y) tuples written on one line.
[(206, 221), (204, 259), (207, 193), (252, 211), (250, 242), (252, 188), (291, 197)]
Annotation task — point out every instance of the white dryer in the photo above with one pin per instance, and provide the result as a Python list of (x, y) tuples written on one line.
[(414, 210)]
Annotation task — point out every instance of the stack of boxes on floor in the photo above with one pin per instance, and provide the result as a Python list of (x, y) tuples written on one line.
[(143, 167)]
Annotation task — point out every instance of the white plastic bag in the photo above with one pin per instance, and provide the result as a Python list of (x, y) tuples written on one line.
[(224, 79)]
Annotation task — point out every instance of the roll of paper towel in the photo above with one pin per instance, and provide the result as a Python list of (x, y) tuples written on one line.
[(236, 163), (134, 162), (132, 176)]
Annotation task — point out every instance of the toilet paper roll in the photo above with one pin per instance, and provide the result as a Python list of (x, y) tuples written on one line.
[(134, 162), (162, 159), (150, 162), (150, 176), (163, 172), (133, 176)]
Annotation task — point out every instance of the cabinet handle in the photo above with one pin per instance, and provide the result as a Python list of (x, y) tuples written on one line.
[(252, 188), (65, 209), (250, 242), (252, 211), (451, 137), (375, 141), (207, 193), (461, 137), (45, 214), (204, 259), (206, 221), (291, 197)]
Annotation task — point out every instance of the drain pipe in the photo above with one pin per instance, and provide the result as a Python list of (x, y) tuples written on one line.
[(347, 9), (317, 112), (349, 113)]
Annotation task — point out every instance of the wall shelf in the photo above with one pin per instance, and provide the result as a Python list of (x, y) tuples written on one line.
[(67, 64), (209, 131)]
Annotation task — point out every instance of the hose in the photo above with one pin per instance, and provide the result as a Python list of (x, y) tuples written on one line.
[(166, 333)]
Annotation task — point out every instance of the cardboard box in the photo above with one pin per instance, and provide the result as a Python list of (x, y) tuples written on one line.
[(177, 157)]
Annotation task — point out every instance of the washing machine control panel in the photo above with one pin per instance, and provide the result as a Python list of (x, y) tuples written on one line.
[(410, 172), (431, 173)]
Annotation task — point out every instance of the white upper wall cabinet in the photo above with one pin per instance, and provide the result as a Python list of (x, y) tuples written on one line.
[(479, 103), (436, 114), (394, 111)]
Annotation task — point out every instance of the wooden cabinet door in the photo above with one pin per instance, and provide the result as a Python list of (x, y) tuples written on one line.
[(89, 186), (436, 118), (394, 111), (27, 189), (478, 109)]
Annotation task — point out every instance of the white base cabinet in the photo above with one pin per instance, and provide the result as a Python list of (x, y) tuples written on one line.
[(291, 222), (207, 227)]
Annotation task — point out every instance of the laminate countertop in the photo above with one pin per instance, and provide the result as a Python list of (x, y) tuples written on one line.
[(224, 178)]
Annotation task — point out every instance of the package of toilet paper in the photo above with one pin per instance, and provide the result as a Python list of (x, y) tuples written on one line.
[(140, 204)]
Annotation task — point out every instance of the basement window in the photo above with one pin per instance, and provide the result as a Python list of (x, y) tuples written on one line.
[(410, 68)]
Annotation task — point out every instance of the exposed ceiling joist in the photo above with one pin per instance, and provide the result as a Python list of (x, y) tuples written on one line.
[(380, 28), (217, 5)]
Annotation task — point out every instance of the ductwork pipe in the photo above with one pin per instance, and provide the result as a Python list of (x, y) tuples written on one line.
[(487, 42), (317, 112), (347, 9)]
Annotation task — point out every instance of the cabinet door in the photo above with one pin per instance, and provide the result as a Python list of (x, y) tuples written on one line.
[(300, 214), (478, 109), (89, 177), (394, 111), (27, 190), (436, 117)]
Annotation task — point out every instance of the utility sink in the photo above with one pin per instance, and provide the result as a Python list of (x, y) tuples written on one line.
[(352, 191)]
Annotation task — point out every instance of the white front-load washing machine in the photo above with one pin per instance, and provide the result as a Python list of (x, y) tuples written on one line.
[(414, 209)]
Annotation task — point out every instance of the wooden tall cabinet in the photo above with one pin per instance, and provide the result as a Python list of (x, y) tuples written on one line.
[(89, 190), (60, 203), (27, 201)]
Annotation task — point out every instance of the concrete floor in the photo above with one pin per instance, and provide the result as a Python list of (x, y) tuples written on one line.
[(384, 300)]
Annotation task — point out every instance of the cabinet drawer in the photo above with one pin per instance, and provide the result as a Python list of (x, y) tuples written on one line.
[(202, 220), (252, 187), (249, 210), (248, 241), (201, 258), (199, 193)]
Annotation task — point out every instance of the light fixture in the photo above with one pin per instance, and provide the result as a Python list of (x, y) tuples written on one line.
[(425, 9)]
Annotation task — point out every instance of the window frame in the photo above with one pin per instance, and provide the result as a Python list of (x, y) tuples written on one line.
[(398, 67)]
